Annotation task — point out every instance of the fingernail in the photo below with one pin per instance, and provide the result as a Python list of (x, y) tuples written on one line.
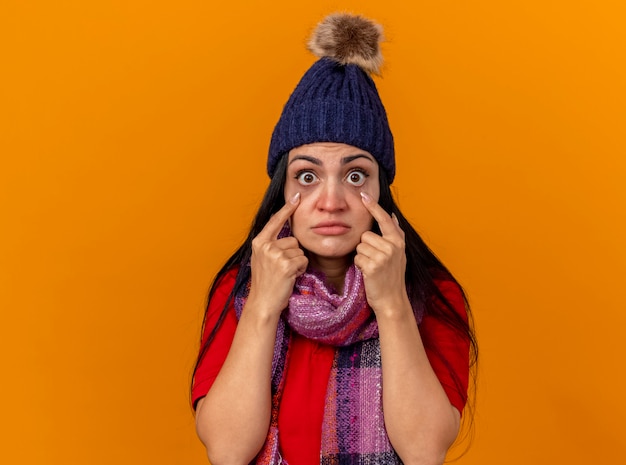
[(395, 218), (366, 197), (295, 198)]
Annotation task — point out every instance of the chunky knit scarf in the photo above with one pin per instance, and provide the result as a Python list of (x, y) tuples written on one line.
[(353, 429)]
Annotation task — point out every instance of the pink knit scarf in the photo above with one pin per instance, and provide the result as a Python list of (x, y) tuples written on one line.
[(317, 312), (353, 429)]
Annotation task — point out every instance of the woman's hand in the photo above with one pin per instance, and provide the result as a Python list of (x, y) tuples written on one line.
[(382, 260), (276, 263), (420, 421), (232, 420)]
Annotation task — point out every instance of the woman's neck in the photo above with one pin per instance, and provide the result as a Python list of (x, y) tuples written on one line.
[(333, 268)]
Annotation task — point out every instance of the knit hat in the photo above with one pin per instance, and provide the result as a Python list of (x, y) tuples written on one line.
[(336, 100)]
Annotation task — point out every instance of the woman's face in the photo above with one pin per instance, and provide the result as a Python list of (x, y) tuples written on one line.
[(330, 178)]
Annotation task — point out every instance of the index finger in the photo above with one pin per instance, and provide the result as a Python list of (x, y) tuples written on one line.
[(277, 221), (386, 223)]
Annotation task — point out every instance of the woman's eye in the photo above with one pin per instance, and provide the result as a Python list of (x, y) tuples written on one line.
[(306, 177), (357, 178)]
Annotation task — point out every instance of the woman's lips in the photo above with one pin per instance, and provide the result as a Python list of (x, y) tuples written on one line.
[(331, 228)]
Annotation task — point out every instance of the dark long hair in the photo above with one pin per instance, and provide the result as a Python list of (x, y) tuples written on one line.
[(422, 270)]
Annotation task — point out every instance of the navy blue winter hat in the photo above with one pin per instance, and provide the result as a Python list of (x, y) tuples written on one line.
[(336, 100)]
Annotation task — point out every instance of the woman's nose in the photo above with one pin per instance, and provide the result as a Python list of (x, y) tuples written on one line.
[(332, 197)]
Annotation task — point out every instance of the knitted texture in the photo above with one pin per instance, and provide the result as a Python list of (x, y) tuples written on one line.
[(317, 312), (353, 429), (334, 103)]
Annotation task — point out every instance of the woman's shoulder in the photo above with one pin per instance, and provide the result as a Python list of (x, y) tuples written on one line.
[(228, 277), (452, 291), (224, 284)]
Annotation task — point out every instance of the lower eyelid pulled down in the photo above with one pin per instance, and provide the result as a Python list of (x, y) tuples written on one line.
[(300, 173), (360, 171)]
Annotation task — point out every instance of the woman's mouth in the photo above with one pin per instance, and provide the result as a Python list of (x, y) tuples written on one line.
[(331, 228)]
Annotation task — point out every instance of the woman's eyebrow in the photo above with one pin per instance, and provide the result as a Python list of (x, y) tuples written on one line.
[(346, 160), (313, 160)]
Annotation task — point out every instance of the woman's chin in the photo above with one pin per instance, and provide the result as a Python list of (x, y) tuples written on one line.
[(330, 247), (330, 253)]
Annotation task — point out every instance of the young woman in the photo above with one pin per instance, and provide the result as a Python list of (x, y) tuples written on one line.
[(333, 335)]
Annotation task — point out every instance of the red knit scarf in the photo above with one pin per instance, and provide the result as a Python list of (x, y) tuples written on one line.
[(353, 429)]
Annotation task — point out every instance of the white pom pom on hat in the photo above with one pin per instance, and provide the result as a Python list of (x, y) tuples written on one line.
[(349, 39)]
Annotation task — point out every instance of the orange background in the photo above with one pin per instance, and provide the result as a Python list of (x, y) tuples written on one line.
[(133, 138)]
